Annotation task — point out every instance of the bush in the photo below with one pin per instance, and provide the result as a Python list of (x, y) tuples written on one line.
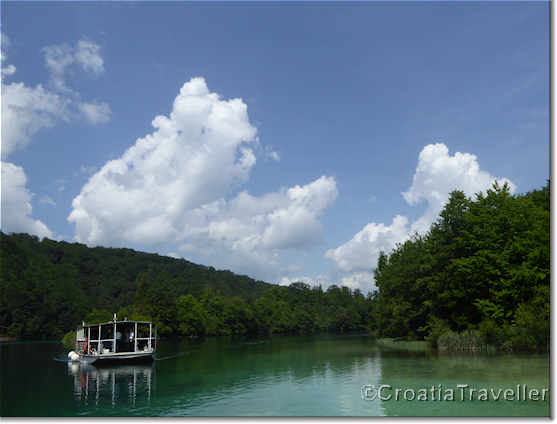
[(491, 332), (436, 327), (69, 340), (467, 341), (530, 331)]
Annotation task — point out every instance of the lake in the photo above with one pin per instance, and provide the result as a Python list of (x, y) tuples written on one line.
[(324, 375)]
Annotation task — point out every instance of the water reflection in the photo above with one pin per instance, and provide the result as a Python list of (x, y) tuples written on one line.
[(121, 384), (301, 376), (478, 371)]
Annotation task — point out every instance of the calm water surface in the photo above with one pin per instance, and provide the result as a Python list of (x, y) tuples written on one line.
[(301, 376)]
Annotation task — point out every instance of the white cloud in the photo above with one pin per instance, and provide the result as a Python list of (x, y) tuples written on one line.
[(47, 200), (272, 154), (87, 55), (321, 280), (253, 230), (61, 58), (193, 157), (26, 110), (58, 58), (95, 113), (362, 251), (171, 187), (436, 175), (359, 280), (10, 69), (16, 204)]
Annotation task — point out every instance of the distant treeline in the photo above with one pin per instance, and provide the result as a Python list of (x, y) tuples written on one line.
[(480, 276), (296, 309)]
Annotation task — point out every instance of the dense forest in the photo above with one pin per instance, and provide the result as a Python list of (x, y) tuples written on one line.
[(482, 270), (48, 287), (480, 276)]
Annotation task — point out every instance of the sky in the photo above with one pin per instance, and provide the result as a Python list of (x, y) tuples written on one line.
[(285, 141)]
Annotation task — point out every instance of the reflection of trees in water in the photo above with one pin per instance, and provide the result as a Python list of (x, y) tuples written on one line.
[(417, 371), (114, 384), (481, 367), (297, 356), (215, 368)]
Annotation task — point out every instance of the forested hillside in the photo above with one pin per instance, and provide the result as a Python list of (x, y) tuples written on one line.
[(47, 287)]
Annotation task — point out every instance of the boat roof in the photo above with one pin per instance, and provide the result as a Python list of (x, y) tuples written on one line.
[(129, 321)]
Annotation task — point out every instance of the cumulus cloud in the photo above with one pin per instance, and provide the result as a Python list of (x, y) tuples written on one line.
[(437, 174), (359, 280), (362, 251), (257, 228), (191, 159), (173, 187), (16, 207)]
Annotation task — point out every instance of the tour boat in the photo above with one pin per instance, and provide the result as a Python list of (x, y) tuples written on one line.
[(115, 342)]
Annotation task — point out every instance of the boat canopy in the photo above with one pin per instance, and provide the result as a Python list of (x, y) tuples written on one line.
[(116, 337)]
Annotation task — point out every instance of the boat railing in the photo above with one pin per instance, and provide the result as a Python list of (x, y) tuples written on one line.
[(102, 342), (88, 337)]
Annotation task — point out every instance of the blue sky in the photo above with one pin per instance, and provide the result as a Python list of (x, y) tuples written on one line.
[(343, 108)]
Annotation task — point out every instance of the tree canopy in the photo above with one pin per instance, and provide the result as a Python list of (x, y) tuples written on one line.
[(484, 264)]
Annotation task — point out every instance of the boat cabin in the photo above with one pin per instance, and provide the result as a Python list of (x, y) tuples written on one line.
[(115, 337)]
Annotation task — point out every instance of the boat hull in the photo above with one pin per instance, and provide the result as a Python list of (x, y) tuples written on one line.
[(131, 358)]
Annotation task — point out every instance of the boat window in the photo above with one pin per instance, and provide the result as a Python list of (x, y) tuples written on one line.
[(94, 332), (107, 331), (142, 330)]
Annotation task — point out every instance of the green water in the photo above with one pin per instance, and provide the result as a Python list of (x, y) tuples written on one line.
[(301, 376)]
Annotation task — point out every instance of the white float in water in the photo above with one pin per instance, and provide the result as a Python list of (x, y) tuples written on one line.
[(73, 356)]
